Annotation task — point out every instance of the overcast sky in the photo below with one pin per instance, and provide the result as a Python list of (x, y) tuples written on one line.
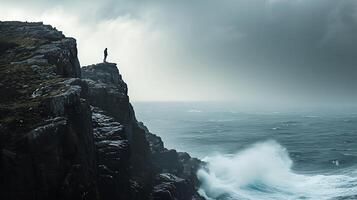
[(276, 51)]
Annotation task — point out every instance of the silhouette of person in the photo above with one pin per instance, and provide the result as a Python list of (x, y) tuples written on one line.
[(105, 55)]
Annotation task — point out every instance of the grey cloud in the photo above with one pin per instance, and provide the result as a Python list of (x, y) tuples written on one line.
[(296, 48)]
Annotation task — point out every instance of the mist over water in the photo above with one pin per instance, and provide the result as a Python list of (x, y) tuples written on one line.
[(306, 154)]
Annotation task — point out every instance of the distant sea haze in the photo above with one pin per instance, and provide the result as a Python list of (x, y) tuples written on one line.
[(262, 155)]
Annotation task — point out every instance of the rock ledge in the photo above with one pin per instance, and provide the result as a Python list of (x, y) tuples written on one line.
[(70, 133)]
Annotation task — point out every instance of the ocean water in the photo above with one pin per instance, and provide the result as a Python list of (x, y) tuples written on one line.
[(307, 154)]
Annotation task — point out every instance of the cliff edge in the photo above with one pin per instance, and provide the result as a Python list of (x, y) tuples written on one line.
[(68, 132)]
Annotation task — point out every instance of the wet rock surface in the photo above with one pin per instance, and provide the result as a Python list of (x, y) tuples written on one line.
[(113, 154), (46, 137), (70, 133)]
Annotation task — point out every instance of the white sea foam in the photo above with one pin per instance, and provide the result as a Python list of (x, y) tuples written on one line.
[(263, 171), (195, 111)]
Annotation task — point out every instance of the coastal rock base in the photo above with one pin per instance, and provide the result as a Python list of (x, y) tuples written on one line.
[(68, 132)]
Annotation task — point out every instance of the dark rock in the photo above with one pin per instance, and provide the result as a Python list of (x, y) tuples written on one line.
[(41, 45), (178, 188), (63, 137), (108, 91), (113, 153), (164, 191), (105, 73), (47, 145)]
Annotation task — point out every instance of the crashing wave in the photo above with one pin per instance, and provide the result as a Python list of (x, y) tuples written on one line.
[(263, 171)]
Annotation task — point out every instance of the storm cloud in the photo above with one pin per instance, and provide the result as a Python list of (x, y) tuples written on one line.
[(282, 51)]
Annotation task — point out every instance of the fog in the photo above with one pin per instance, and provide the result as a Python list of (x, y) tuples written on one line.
[(264, 52)]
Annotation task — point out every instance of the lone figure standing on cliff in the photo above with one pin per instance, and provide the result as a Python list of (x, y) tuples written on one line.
[(105, 55)]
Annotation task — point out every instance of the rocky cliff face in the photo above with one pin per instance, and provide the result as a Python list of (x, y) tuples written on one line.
[(150, 170), (70, 133)]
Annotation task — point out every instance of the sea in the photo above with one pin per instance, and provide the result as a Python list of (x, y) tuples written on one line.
[(262, 154)]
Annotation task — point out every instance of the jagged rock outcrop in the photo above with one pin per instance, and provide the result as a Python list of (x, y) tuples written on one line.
[(71, 133), (46, 137), (150, 161), (113, 154)]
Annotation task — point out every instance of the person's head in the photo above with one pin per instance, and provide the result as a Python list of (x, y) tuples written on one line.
[(105, 48)]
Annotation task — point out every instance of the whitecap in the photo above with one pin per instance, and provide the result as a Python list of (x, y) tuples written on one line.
[(311, 116), (263, 171), (195, 111)]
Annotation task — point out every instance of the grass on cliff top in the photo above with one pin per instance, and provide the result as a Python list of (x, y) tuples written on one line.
[(22, 40), (19, 112)]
